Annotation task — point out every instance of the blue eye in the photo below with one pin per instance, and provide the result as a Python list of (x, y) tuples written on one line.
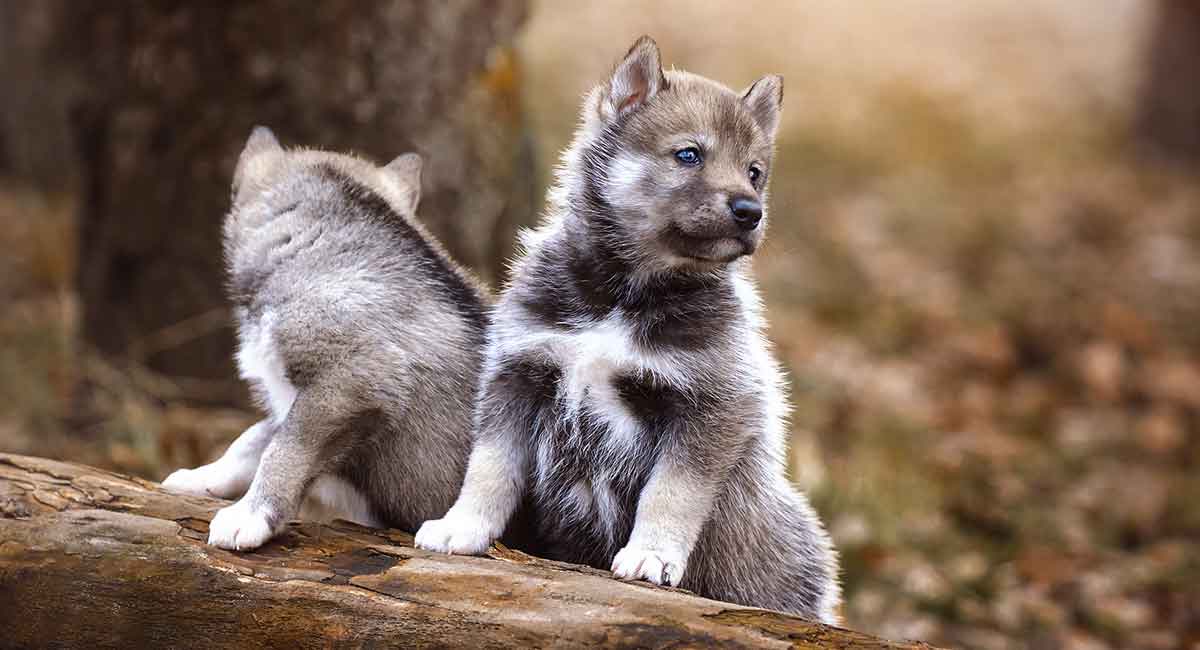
[(688, 156)]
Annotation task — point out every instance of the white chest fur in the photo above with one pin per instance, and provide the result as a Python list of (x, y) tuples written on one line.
[(591, 360)]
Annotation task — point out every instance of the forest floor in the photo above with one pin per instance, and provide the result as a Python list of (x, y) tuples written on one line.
[(996, 377)]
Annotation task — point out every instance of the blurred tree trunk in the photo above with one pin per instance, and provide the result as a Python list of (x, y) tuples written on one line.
[(143, 106), (1168, 120)]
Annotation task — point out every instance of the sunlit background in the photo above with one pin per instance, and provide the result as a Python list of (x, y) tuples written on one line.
[(982, 273)]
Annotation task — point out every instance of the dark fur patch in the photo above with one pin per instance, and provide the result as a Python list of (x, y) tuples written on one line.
[(692, 313), (460, 294), (652, 404), (673, 313), (574, 285), (529, 380)]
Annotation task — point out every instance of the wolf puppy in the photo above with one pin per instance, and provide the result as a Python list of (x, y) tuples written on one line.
[(362, 338), (629, 404)]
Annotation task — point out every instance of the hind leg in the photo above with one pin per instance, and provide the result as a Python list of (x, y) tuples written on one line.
[(303, 447), (230, 475), (765, 547)]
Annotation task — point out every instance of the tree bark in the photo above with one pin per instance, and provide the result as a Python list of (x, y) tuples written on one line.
[(91, 558), (1168, 119), (142, 107)]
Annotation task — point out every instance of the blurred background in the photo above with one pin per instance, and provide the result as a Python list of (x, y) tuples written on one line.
[(983, 270)]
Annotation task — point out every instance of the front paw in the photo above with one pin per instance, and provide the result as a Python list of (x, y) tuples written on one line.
[(660, 566), (456, 534), (240, 527)]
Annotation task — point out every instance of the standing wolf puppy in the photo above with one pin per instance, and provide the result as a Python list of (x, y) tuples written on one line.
[(361, 336), (628, 398)]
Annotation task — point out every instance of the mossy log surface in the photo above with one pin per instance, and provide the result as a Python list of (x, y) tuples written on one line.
[(90, 558)]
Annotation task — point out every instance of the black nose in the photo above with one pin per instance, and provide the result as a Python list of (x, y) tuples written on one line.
[(746, 212)]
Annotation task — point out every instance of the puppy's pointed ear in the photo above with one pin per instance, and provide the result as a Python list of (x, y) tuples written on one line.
[(764, 98), (636, 79), (404, 175), (261, 139), (253, 162)]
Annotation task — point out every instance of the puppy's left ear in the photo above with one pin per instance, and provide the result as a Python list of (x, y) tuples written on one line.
[(636, 79), (404, 175), (261, 140), (764, 98), (258, 155)]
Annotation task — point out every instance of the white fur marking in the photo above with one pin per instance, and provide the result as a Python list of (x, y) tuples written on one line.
[(545, 459), (332, 497), (606, 506), (624, 174), (762, 363), (590, 360), (259, 360), (581, 497)]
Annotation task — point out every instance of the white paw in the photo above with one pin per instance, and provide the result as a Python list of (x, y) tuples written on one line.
[(239, 528), (212, 480), (660, 566), (457, 534)]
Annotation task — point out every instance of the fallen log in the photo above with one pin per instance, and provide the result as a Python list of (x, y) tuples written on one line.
[(90, 558)]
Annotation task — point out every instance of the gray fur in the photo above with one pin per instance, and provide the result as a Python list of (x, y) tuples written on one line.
[(630, 406), (344, 302)]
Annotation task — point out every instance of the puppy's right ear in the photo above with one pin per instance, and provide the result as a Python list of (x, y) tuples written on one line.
[(636, 79), (403, 175), (252, 163)]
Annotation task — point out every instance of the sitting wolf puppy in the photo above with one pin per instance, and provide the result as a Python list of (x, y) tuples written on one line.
[(629, 399), (363, 339)]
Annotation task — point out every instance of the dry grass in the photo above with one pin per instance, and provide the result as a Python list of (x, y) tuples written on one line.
[(38, 321), (61, 400)]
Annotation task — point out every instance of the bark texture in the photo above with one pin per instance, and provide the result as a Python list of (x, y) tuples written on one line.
[(1168, 120), (89, 558), (142, 107)]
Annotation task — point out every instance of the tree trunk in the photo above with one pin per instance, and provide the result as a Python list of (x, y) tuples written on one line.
[(145, 105), (1168, 120), (91, 558)]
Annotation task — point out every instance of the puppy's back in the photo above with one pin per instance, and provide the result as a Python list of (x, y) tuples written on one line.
[(338, 286)]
